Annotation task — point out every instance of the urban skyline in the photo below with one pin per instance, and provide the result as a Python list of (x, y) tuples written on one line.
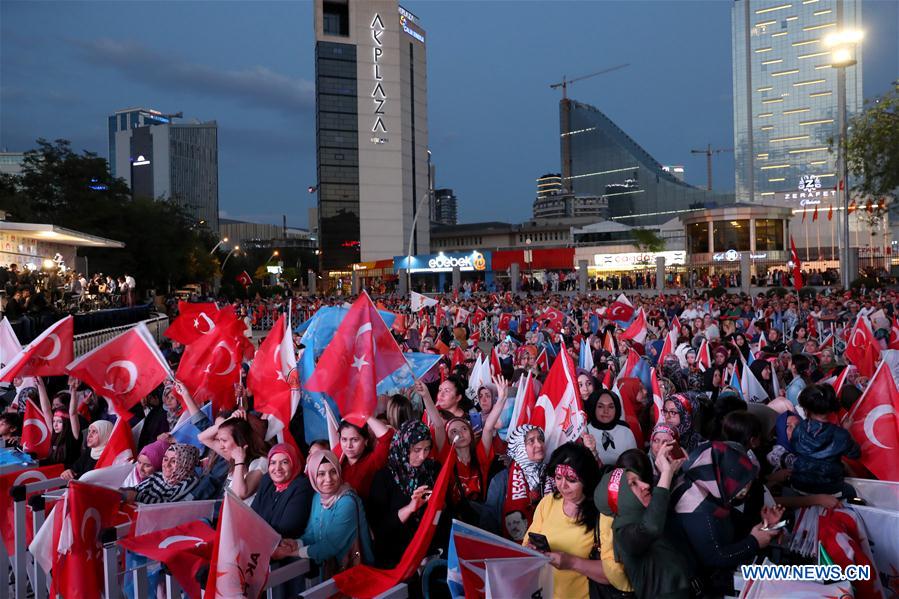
[(266, 113)]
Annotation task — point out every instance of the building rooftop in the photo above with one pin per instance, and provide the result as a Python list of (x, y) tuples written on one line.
[(59, 235)]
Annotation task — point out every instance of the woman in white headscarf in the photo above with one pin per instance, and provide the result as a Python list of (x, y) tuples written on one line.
[(98, 434)]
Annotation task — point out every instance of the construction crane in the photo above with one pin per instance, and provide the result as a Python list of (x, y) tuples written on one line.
[(708, 151), (564, 83)]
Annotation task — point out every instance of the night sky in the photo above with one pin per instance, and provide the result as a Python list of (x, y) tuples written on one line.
[(65, 66)]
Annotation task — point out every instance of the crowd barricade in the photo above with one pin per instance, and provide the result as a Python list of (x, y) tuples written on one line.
[(25, 565), (262, 318), (157, 324)]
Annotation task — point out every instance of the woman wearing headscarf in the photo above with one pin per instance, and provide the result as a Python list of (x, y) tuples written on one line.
[(337, 535), (175, 481), (149, 461), (607, 434), (662, 436), (672, 370), (716, 478), (654, 565), (98, 434), (682, 411), (400, 491), (782, 455), (763, 374)]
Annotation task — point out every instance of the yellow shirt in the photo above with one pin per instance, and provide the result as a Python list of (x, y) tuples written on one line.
[(613, 570), (563, 534)]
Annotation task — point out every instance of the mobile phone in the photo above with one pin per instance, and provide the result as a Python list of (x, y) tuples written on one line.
[(676, 452), (776, 526), (539, 541)]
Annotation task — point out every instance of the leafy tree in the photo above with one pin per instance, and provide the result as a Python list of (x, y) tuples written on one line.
[(872, 147), (163, 248), (648, 241)]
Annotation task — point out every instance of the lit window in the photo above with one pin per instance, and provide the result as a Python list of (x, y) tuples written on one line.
[(818, 122), (806, 42), (812, 55), (764, 89), (822, 26), (817, 162), (767, 127), (793, 138), (810, 82), (762, 155), (767, 193), (779, 34), (807, 150), (822, 66), (782, 73), (776, 179), (793, 18), (819, 94), (797, 110), (775, 166), (760, 50), (826, 175), (773, 61), (772, 100), (826, 11), (809, 1), (766, 23), (765, 115), (773, 8)]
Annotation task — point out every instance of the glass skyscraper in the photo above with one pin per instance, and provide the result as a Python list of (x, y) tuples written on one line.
[(599, 159), (785, 93)]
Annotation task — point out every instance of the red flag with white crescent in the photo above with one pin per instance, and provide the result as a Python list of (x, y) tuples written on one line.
[(797, 265), (125, 369), (704, 357), (668, 346), (637, 330), (35, 432), (478, 316), (7, 506), (47, 355), (194, 320), (543, 361), (120, 447), (862, 349), (874, 424), (267, 380), (657, 401), (504, 321), (561, 403)]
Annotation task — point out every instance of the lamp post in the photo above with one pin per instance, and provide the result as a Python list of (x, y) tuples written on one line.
[(409, 246), (843, 44), (236, 248), (224, 240)]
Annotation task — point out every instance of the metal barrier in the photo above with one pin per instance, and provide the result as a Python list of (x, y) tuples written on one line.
[(328, 589), (24, 561), (88, 341)]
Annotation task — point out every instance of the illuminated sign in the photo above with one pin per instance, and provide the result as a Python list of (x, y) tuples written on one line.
[(378, 95), (734, 255), (141, 161), (473, 261), (407, 14), (409, 28), (809, 183), (633, 259)]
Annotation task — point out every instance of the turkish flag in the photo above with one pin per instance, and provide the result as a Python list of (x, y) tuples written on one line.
[(637, 330), (120, 447), (657, 401), (668, 346), (478, 317), (475, 337), (704, 357), (504, 321), (556, 320), (365, 581), (523, 411), (211, 366), (621, 309), (243, 548), (797, 265), (125, 369), (35, 432), (78, 566), (244, 279), (458, 357), (676, 325), (7, 507), (267, 379), (894, 335), (543, 361), (439, 316), (561, 403), (874, 424), (461, 316), (194, 320), (862, 349), (47, 355), (495, 365), (9, 343), (361, 354), (184, 549)]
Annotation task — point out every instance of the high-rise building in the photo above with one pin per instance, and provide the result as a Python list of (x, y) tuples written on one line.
[(445, 207), (549, 184), (11, 162), (371, 131), (131, 118), (601, 160), (174, 161), (567, 205), (785, 93)]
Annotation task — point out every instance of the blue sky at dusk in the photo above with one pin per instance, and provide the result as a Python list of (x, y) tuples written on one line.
[(65, 66)]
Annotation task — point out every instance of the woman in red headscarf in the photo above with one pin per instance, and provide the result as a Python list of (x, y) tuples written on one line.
[(284, 498), (633, 402)]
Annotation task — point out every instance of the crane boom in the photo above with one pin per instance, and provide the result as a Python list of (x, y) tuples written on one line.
[(708, 151), (564, 83)]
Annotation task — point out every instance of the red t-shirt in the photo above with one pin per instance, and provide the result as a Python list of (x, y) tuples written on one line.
[(474, 479), (360, 474)]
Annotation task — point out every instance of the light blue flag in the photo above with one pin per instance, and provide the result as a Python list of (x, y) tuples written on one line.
[(735, 383), (585, 357), (594, 323), (188, 433), (417, 364)]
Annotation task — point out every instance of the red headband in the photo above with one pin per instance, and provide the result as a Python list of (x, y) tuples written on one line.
[(688, 407), (614, 486)]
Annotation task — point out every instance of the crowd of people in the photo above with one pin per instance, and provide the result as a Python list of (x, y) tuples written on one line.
[(31, 291), (653, 498)]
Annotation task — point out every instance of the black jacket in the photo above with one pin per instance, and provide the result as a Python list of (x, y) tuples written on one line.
[(288, 511)]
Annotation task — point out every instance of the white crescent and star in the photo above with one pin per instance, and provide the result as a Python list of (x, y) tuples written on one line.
[(40, 424), (231, 363), (90, 513), (166, 542), (359, 362), (32, 476), (129, 367), (57, 347), (871, 421), (204, 316)]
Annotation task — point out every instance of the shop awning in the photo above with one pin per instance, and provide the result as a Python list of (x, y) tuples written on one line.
[(55, 234)]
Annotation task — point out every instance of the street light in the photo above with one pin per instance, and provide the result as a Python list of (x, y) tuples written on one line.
[(236, 248), (843, 51), (274, 254), (224, 240)]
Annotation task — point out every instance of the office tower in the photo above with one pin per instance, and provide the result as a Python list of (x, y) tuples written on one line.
[(371, 132), (549, 184), (131, 118), (445, 207)]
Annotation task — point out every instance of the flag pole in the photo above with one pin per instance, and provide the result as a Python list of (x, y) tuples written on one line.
[(805, 222), (818, 231)]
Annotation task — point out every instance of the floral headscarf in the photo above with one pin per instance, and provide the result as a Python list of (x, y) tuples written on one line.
[(186, 459), (407, 477), (533, 471), (689, 408), (713, 476)]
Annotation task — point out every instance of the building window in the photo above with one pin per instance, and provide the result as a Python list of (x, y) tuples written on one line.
[(336, 18), (698, 238), (731, 235), (769, 235)]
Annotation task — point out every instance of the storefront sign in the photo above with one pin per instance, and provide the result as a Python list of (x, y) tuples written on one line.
[(630, 260), (734, 255), (444, 262), (378, 95)]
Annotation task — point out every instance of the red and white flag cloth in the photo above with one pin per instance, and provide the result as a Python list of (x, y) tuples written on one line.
[(797, 265), (525, 402), (125, 369), (47, 355), (362, 353), (894, 334), (874, 424), (704, 357), (244, 279), (184, 549), (505, 320), (9, 343), (194, 320), (461, 316), (637, 330), (668, 346), (457, 358), (478, 316), (839, 380), (554, 319), (120, 447), (633, 358), (7, 506), (543, 361), (418, 301), (676, 325), (657, 402), (621, 309), (862, 349), (561, 403), (267, 379), (243, 548), (35, 432)]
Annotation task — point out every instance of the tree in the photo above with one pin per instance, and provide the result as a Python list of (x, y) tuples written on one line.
[(872, 148), (76, 191), (648, 241)]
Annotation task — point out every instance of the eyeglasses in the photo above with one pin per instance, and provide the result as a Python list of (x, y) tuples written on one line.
[(670, 412)]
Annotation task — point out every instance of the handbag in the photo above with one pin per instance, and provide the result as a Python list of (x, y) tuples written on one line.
[(598, 590)]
